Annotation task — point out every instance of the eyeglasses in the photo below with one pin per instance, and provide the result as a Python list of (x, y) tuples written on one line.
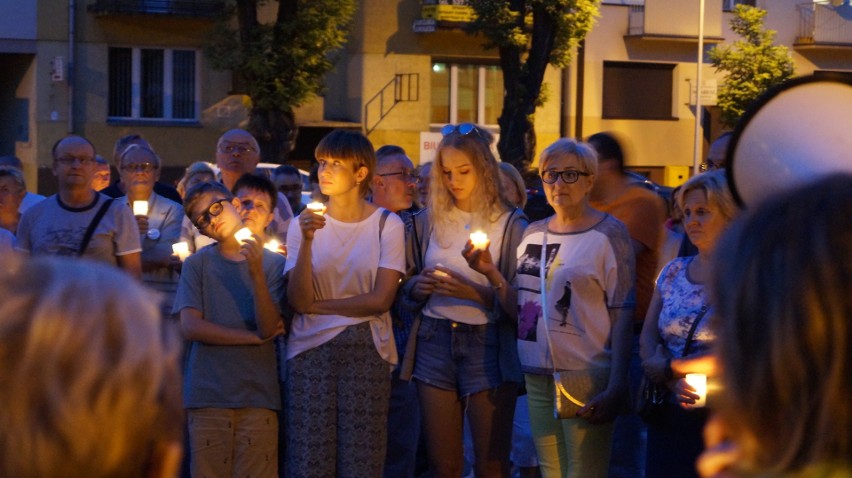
[(569, 176), (406, 176), (212, 211), (236, 148), (139, 167), (70, 160), (461, 128)]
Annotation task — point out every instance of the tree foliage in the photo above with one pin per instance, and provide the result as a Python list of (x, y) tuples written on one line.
[(529, 35), (281, 63), (752, 64)]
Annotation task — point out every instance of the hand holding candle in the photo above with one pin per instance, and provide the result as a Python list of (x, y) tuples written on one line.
[(272, 245), (698, 381), (479, 240), (140, 208), (316, 207), (181, 249), (242, 235)]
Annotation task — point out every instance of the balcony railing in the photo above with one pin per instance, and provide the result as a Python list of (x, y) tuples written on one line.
[(822, 25), (180, 8)]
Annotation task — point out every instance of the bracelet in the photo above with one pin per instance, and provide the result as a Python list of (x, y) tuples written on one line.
[(668, 370)]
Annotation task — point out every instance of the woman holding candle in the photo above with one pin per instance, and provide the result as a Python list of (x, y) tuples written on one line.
[(159, 220), (579, 324), (465, 360), (678, 324), (344, 269)]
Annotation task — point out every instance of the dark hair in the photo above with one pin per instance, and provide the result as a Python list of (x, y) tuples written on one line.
[(286, 169), (11, 161), (389, 150), (349, 146), (608, 148), (257, 183), (200, 189)]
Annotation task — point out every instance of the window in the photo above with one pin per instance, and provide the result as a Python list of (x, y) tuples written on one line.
[(466, 93), (729, 5), (633, 90), (155, 84)]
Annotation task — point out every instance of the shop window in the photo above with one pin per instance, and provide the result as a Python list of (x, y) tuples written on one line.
[(634, 90)]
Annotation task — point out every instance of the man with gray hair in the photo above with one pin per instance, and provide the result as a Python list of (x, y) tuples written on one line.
[(29, 198), (78, 221)]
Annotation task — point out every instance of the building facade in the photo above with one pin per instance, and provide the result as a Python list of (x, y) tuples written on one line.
[(105, 68)]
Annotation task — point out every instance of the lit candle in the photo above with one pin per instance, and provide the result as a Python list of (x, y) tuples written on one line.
[(479, 239), (140, 208), (316, 207), (698, 381), (440, 273), (242, 234), (181, 249), (272, 245)]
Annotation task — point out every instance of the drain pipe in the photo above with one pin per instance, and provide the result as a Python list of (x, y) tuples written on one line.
[(70, 69)]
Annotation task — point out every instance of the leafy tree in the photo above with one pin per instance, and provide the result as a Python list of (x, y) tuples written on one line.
[(752, 64), (529, 34), (280, 64)]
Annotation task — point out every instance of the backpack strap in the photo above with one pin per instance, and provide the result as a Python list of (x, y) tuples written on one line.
[(90, 231), (382, 221)]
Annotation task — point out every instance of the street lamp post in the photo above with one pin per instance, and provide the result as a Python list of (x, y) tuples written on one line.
[(696, 155)]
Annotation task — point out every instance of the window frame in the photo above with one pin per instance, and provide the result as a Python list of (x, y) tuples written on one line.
[(168, 87), (481, 90), (672, 102)]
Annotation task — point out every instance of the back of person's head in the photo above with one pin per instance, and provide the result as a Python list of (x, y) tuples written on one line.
[(197, 192), (11, 161), (516, 183), (715, 187), (353, 147), (783, 295), (254, 182), (608, 148), (389, 150), (90, 373)]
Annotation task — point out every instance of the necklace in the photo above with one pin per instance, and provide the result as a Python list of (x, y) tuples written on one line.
[(347, 235)]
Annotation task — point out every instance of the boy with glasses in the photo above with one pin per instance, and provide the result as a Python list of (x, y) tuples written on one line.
[(228, 301)]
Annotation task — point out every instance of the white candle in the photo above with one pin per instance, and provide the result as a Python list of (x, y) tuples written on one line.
[(181, 249), (242, 234), (272, 245), (316, 207), (479, 239), (140, 208), (440, 273), (698, 381)]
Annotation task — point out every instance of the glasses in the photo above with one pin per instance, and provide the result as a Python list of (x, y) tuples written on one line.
[(69, 160), (139, 167), (461, 128), (569, 176), (212, 211), (236, 148), (406, 176)]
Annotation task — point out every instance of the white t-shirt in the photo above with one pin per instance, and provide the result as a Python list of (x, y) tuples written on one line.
[(345, 258), (447, 251)]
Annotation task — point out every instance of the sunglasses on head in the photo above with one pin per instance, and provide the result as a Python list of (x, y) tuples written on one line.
[(461, 128)]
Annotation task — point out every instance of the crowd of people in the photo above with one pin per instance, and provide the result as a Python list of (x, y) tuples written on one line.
[(414, 321)]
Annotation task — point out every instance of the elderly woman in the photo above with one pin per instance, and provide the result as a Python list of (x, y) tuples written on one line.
[(678, 324), (95, 381), (580, 324), (783, 285), (12, 192), (159, 227)]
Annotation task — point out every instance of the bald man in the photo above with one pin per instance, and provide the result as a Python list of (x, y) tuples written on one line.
[(78, 221)]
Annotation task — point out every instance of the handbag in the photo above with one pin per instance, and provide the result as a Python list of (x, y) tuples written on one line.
[(653, 395), (571, 388)]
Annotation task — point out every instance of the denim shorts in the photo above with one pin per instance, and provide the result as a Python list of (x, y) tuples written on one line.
[(458, 357)]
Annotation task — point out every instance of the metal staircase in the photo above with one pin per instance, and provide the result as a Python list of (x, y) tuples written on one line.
[(403, 87)]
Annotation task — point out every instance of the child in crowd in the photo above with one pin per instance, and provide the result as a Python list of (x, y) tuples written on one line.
[(229, 312)]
